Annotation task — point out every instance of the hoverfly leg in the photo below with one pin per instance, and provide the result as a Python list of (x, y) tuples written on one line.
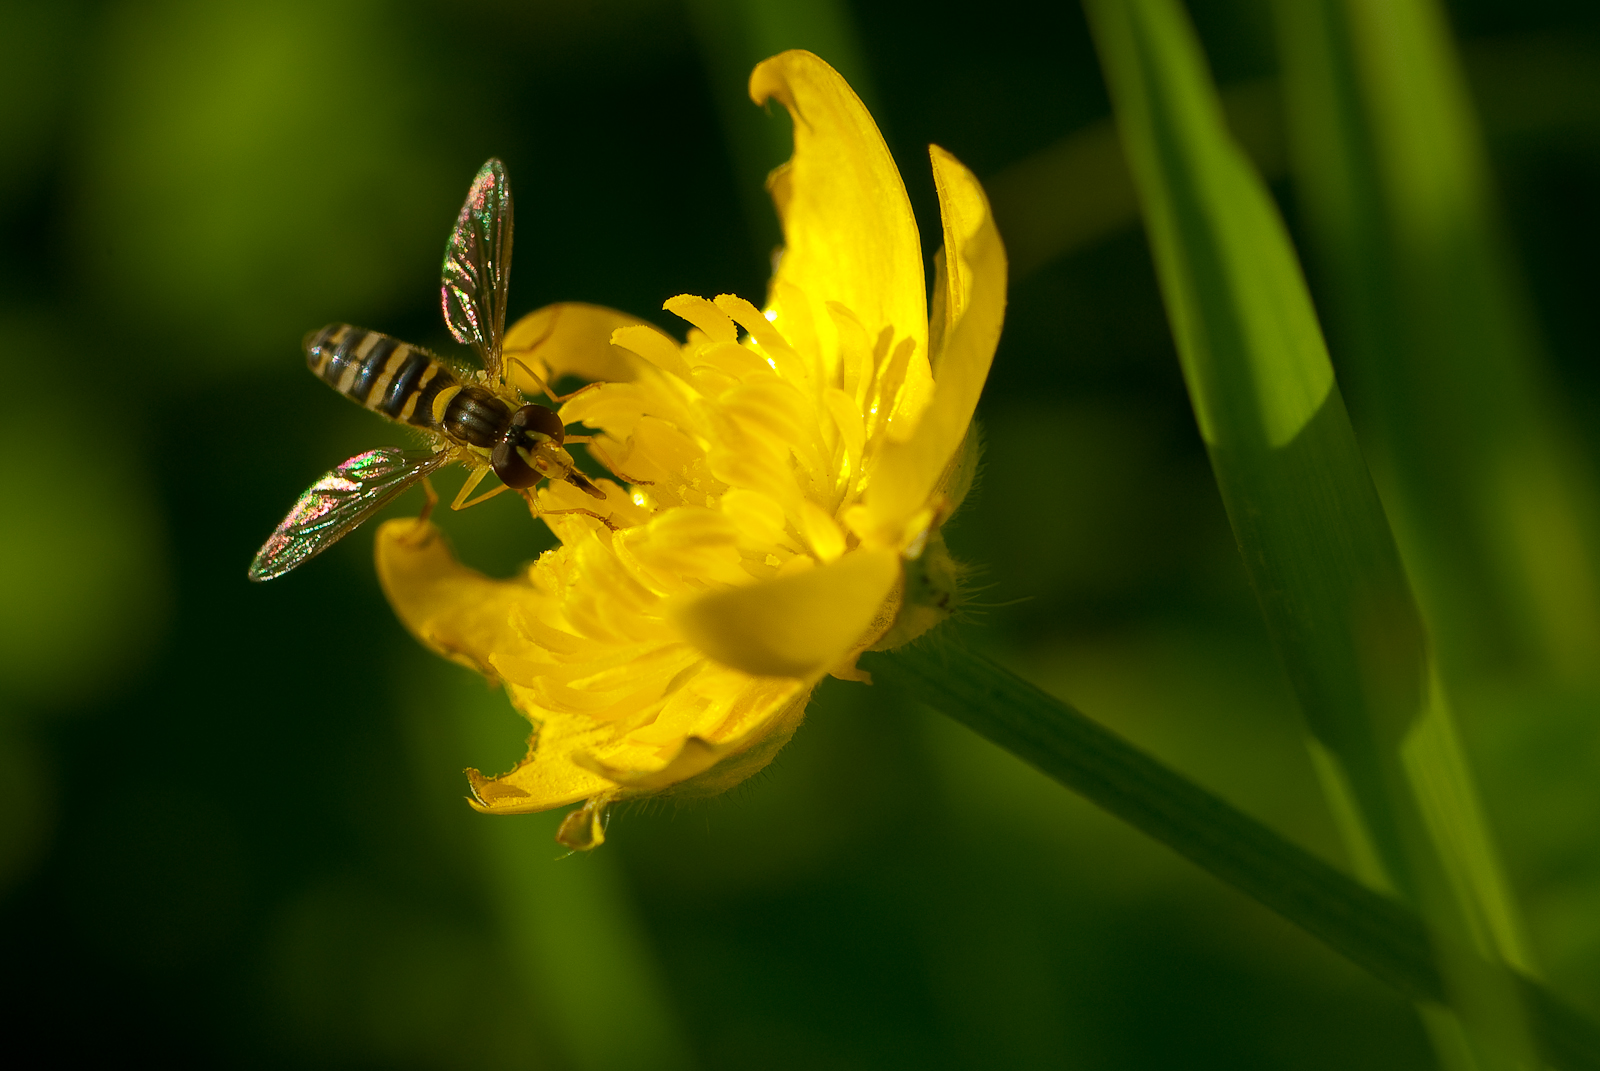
[(559, 399), (588, 440), (486, 496), (539, 511), (429, 502), (419, 528), (474, 478), (469, 485), (462, 502), (586, 512)]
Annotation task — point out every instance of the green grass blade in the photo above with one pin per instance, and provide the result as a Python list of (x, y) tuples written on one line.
[(1077, 191), (1292, 477), (1397, 191), (1374, 931), (1302, 504), (1495, 511)]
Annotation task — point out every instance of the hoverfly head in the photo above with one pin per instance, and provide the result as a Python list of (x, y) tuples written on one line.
[(531, 427)]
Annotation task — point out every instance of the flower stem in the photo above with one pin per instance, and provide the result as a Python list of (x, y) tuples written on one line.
[(1373, 931)]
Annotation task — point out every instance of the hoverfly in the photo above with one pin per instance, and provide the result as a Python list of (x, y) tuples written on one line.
[(478, 418)]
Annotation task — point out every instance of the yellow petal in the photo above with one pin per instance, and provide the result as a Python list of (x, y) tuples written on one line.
[(569, 338), (704, 315), (730, 727), (963, 212), (848, 230), (648, 342), (799, 625), (909, 472), (755, 748), (466, 617), (694, 757), (821, 531), (700, 768), (546, 777), (456, 611), (502, 795)]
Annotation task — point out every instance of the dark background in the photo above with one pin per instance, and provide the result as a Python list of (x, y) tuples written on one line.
[(231, 826)]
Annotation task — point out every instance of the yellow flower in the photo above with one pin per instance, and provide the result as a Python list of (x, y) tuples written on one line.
[(788, 469)]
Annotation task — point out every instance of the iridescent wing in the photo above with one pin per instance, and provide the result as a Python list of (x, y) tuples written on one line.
[(477, 267), (335, 505)]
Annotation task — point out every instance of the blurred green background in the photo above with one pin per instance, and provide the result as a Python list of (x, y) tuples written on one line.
[(231, 826)]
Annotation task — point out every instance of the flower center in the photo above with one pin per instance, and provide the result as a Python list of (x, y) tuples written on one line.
[(743, 448), (774, 433)]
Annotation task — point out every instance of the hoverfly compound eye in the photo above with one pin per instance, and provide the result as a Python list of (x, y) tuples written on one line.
[(538, 419), (509, 464), (530, 427)]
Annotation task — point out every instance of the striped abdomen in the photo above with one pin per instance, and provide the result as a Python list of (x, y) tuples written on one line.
[(384, 374), (405, 383)]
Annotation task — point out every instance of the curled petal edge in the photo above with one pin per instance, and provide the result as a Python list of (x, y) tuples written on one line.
[(910, 471)]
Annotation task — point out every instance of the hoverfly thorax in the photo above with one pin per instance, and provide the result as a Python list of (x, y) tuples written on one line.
[(478, 419)]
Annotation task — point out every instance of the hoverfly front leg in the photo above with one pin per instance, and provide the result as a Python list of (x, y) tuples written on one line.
[(559, 399), (588, 440), (470, 485), (486, 496), (539, 511)]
